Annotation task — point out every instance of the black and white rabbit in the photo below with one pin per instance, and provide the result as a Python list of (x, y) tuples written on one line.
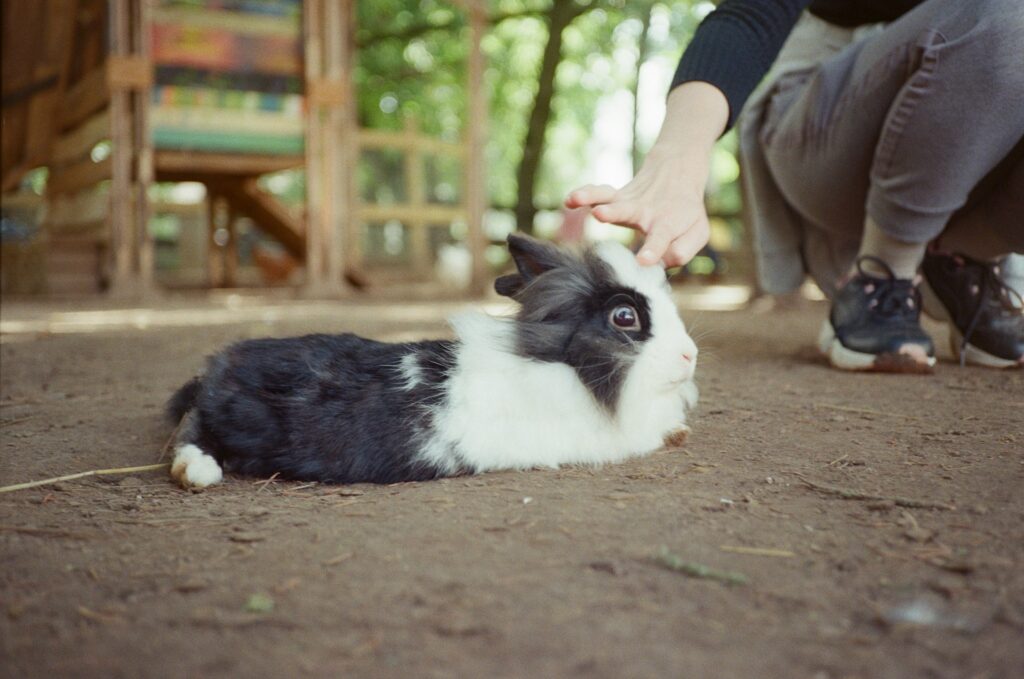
[(595, 367)]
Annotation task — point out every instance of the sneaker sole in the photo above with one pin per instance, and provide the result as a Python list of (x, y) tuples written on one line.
[(934, 307), (847, 359)]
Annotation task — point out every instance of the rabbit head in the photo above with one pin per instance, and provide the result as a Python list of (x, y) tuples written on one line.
[(600, 312)]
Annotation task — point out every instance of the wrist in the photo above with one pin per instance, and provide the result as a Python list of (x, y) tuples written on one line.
[(686, 166)]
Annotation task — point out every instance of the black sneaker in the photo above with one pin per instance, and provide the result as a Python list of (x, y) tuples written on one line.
[(985, 313), (875, 325)]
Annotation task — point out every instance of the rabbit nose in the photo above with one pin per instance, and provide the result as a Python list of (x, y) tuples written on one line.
[(688, 357)]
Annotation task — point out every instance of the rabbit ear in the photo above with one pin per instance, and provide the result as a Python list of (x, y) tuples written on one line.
[(533, 257), (509, 285)]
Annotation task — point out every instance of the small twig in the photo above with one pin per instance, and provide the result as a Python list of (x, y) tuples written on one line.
[(856, 495), (16, 420), (171, 439), (334, 561), (80, 475), (44, 532), (263, 484), (97, 616), (668, 560), (758, 551), (863, 411)]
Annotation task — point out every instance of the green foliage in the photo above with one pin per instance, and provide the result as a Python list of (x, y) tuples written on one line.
[(412, 63)]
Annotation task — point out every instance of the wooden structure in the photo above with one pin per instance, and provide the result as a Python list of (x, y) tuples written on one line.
[(80, 85)]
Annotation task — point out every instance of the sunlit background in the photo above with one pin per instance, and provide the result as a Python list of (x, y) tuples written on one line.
[(228, 79)]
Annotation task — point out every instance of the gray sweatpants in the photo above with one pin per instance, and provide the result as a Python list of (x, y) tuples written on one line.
[(918, 124)]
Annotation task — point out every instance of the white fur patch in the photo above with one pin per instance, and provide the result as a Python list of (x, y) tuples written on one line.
[(192, 468), (509, 412), (411, 371), (670, 352)]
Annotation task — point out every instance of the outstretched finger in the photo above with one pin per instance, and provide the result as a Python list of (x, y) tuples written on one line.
[(591, 194), (654, 247), (622, 212), (686, 246)]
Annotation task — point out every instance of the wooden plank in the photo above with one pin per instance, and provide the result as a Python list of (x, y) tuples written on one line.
[(142, 30), (323, 92), (390, 139), (39, 134), (214, 254), (87, 96), (172, 165), (78, 176), (270, 215), (342, 149), (312, 22), (122, 231), (348, 233), (411, 214), (77, 143), (132, 72), (75, 263), (73, 210), (416, 190), (230, 249)]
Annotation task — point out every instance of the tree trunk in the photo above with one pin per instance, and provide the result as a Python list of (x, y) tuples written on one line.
[(641, 56), (561, 15)]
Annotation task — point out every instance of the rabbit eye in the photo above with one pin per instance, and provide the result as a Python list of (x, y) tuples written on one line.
[(624, 317)]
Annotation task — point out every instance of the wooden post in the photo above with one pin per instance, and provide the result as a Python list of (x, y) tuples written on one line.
[(230, 248), (416, 196), (143, 144), (214, 253), (344, 256), (122, 233), (476, 131), (313, 18), (330, 156)]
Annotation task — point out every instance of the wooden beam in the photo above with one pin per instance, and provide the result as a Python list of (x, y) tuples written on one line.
[(142, 139), (344, 259), (270, 215), (214, 253), (76, 144), (172, 165), (78, 176), (390, 139), (411, 214), (132, 72), (87, 96), (77, 211), (123, 233), (416, 193)]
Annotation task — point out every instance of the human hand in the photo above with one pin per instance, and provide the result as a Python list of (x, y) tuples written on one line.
[(665, 200), (661, 202)]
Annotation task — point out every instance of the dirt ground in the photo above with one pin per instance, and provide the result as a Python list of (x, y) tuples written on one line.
[(548, 573)]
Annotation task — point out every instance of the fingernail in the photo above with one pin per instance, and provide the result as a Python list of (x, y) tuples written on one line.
[(647, 255)]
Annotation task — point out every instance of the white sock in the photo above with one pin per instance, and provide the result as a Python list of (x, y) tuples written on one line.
[(902, 257), (1011, 270)]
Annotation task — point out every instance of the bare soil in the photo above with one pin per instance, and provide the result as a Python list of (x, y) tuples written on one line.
[(877, 521)]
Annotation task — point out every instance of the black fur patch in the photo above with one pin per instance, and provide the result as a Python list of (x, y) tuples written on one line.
[(564, 318), (330, 408)]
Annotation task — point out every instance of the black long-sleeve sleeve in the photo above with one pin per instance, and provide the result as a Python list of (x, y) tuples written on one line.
[(735, 46)]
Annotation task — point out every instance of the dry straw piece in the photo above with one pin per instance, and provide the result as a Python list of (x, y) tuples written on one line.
[(81, 475)]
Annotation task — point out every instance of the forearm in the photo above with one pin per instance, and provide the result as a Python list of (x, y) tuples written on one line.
[(735, 45), (696, 114)]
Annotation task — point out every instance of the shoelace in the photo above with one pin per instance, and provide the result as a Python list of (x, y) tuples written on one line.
[(991, 281), (892, 296)]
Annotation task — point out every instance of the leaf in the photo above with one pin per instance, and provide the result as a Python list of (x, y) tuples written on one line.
[(259, 603)]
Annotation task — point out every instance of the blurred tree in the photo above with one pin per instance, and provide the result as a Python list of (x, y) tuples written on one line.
[(551, 65)]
